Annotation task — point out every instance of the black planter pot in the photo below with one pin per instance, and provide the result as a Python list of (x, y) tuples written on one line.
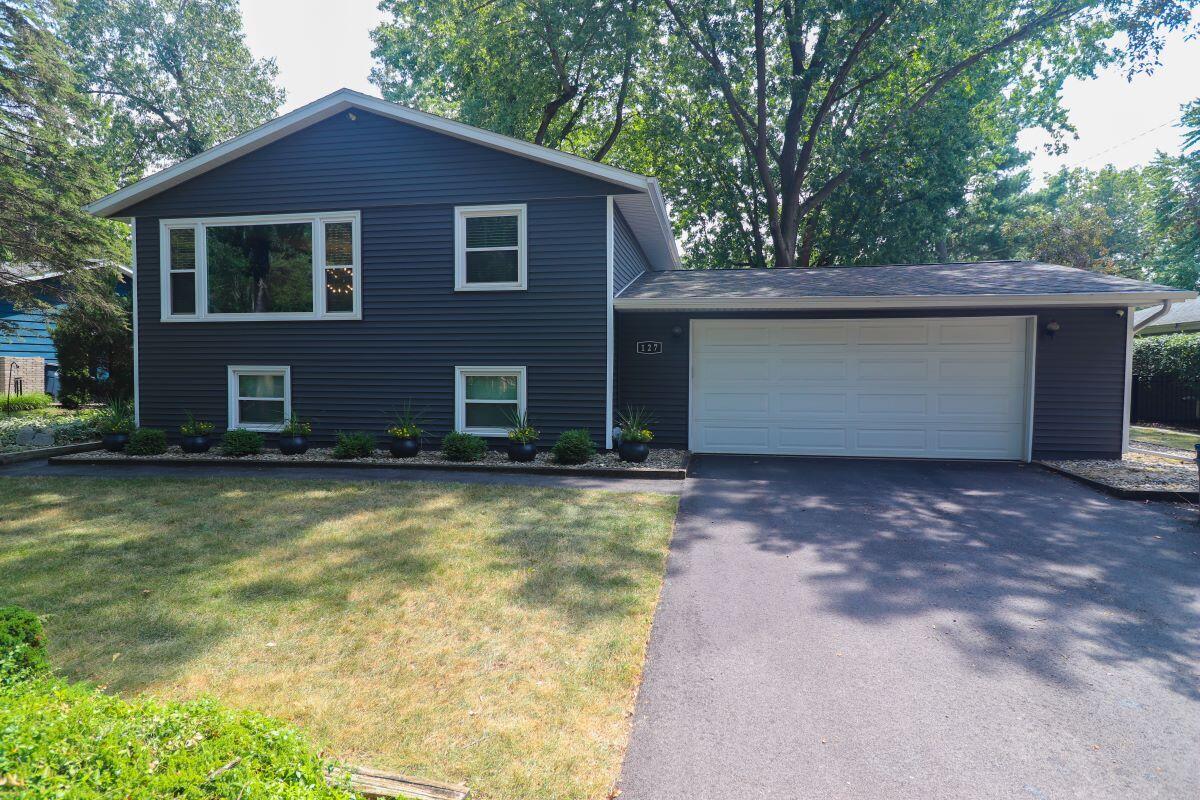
[(115, 442), (195, 444), (293, 445), (404, 448), (634, 452), (520, 451)]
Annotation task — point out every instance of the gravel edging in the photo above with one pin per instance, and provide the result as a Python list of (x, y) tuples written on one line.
[(39, 453), (1121, 492), (492, 463)]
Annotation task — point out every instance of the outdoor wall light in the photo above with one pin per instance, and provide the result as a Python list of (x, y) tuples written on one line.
[(1052, 327), (1120, 312), (677, 331)]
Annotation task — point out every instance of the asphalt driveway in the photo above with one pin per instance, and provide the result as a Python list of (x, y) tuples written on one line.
[(858, 629)]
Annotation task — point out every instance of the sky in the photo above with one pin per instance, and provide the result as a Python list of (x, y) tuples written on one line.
[(1119, 121)]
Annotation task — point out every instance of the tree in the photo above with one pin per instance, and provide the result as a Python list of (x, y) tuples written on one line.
[(560, 74), (45, 177), (171, 78), (1174, 190), (93, 336)]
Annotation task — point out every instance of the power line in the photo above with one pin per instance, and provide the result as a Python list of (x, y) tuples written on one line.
[(1171, 121)]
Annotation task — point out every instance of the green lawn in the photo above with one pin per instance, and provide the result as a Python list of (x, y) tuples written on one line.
[(1164, 437), (487, 635)]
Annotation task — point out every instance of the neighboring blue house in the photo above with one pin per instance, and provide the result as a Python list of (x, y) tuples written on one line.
[(25, 332), (355, 254)]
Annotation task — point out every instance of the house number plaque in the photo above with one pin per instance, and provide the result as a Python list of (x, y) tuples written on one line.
[(649, 348)]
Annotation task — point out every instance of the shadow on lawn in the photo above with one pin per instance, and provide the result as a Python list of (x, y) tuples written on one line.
[(165, 574), (1037, 571)]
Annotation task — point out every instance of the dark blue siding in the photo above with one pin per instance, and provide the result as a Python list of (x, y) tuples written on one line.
[(350, 375), (1079, 385), (628, 259)]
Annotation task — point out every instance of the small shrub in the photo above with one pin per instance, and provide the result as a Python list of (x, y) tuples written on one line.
[(296, 427), (73, 740), (194, 427), (241, 442), (147, 442), (355, 444), (457, 446), (574, 447), (25, 402), (22, 645), (74, 400)]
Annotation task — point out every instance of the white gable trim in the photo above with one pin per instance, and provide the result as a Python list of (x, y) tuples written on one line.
[(335, 103)]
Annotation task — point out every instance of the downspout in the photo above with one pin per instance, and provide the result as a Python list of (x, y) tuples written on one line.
[(1166, 307)]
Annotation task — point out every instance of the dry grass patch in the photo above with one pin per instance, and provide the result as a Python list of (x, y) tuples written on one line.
[(490, 635)]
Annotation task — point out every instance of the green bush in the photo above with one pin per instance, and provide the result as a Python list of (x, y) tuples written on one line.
[(22, 646), (73, 400), (147, 442), (458, 446), (116, 417), (25, 402), (1176, 355), (241, 442), (574, 447), (355, 444), (72, 740)]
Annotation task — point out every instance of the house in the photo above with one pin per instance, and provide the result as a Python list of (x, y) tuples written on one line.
[(355, 254), (1180, 318), (28, 361)]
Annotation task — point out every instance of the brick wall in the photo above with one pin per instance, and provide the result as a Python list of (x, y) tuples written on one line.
[(27, 374)]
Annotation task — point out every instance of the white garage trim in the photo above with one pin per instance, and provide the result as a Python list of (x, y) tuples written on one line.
[(870, 406)]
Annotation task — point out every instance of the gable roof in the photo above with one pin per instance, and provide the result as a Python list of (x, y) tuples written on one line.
[(644, 209), (1183, 316), (960, 285)]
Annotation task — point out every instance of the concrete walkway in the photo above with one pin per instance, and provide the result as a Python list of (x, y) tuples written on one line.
[(901, 630), (122, 471)]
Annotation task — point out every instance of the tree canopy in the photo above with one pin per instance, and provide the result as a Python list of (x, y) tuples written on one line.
[(788, 134)]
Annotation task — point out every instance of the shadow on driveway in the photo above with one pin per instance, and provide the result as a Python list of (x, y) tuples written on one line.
[(887, 629)]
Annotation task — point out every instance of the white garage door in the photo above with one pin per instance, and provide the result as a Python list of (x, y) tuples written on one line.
[(913, 388)]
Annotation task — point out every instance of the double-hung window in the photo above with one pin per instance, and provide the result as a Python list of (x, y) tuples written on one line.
[(489, 248), (260, 398), (277, 267), (488, 399)]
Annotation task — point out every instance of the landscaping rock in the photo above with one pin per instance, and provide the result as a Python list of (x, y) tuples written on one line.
[(43, 439), (26, 435), (1136, 471)]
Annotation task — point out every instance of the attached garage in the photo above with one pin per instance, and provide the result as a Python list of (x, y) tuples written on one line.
[(912, 388), (995, 360)]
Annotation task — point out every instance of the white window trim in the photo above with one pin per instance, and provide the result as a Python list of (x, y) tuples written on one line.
[(460, 396), (461, 214), (232, 373), (201, 224)]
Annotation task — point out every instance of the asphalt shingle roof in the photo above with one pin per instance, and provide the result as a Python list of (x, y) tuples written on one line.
[(1187, 312), (904, 280)]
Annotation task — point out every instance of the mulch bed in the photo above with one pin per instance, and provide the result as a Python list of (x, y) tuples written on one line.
[(1136, 476), (662, 463)]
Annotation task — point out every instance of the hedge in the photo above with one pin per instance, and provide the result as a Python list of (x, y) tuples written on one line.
[(1176, 355)]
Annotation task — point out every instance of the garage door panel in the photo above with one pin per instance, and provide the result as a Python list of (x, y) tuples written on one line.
[(736, 438), (894, 441), (972, 333), (817, 369), (811, 403), (808, 336), (892, 403), (940, 388), (896, 369), (824, 440), (731, 370), (735, 402), (893, 333)]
